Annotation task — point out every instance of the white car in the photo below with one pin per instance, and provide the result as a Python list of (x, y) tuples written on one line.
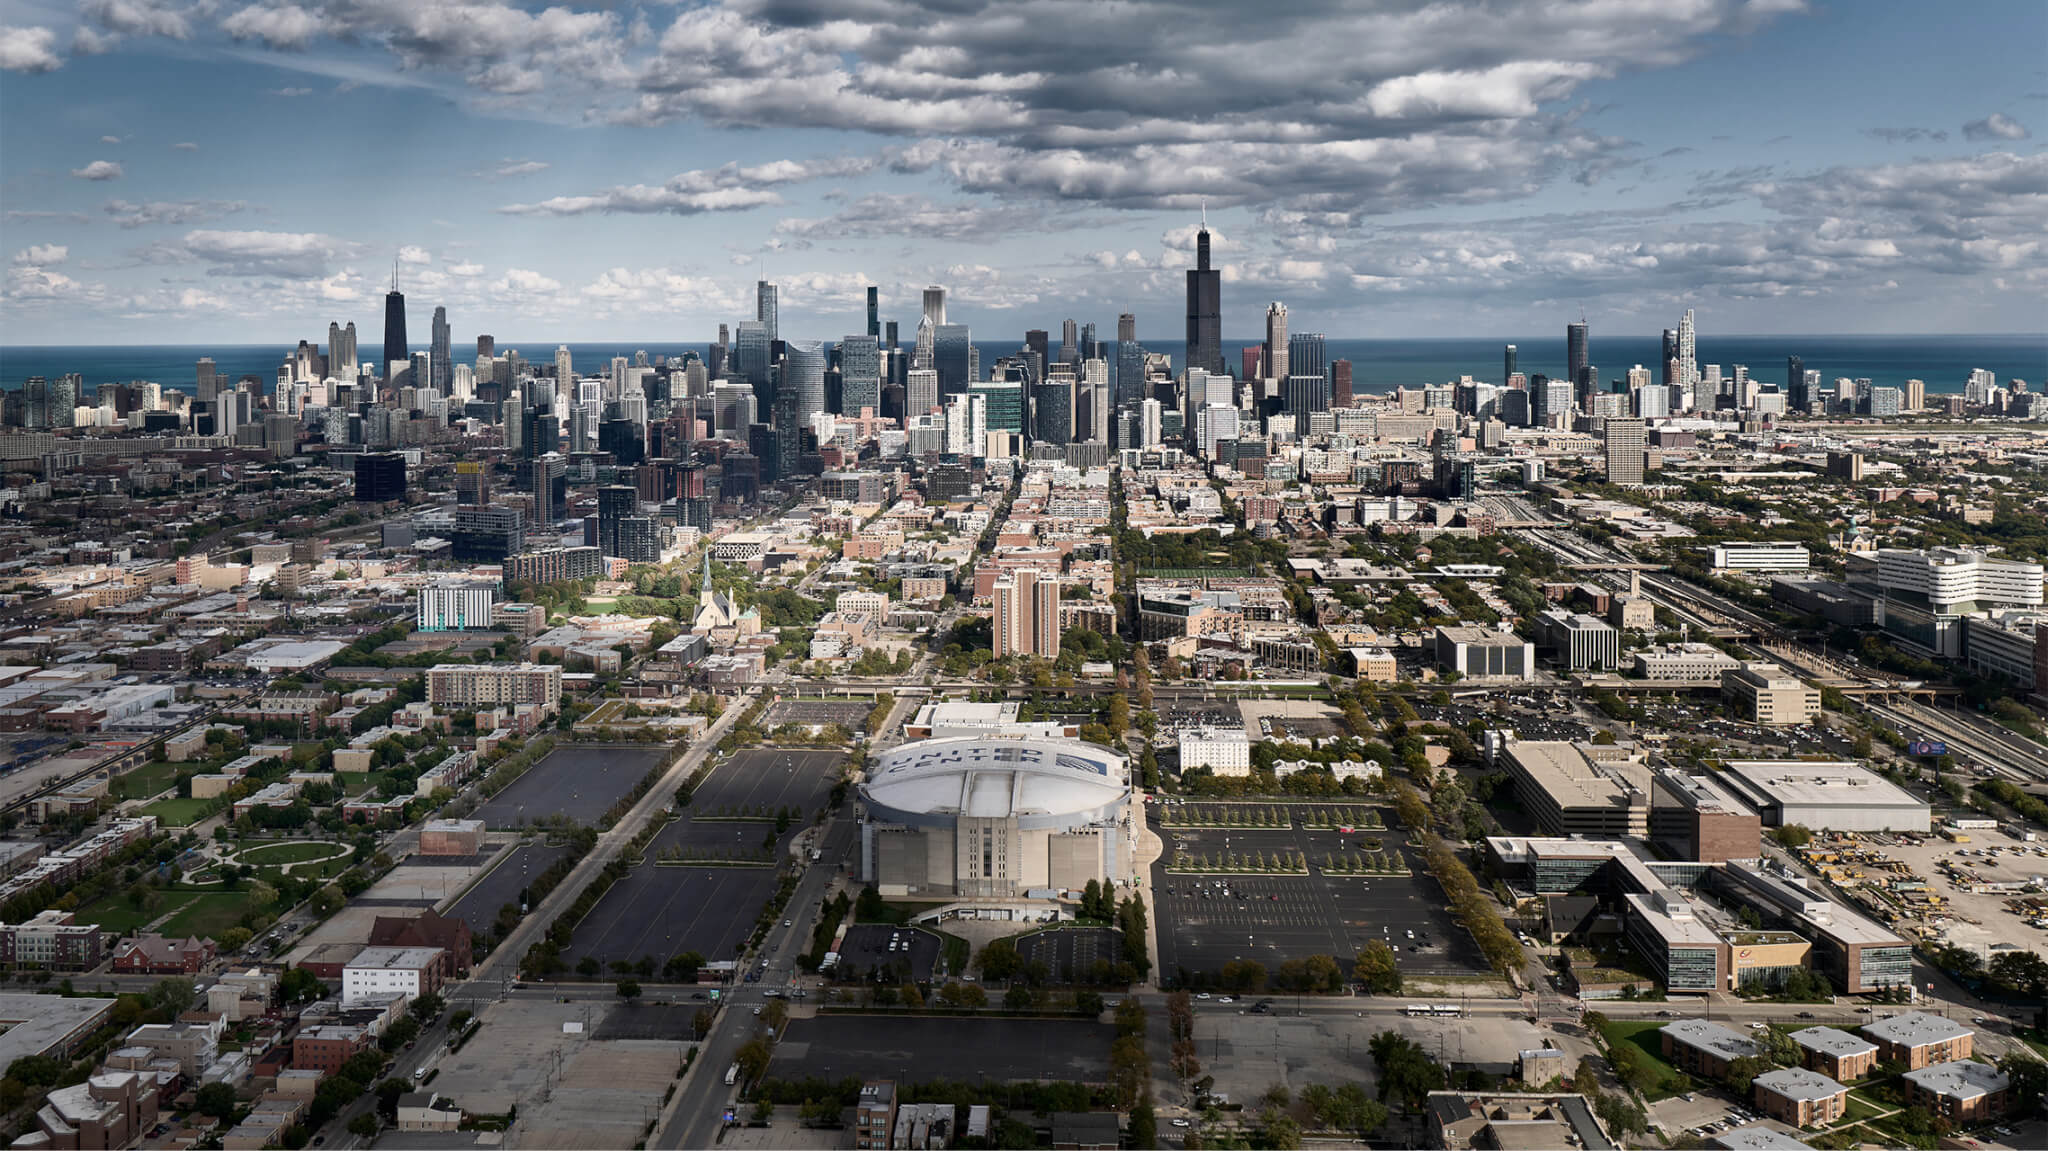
[(1201, 995), (1180, 1123), (1226, 999)]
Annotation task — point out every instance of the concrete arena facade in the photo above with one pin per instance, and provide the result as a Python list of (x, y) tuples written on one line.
[(993, 817)]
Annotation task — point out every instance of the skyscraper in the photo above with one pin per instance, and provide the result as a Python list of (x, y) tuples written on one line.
[(1688, 352), (394, 331), (874, 313), (1797, 396), (801, 395), (1340, 383), (860, 373), (1507, 365), (207, 385), (765, 309), (341, 351), (1306, 355), (1627, 450), (438, 371), (1027, 615), (1038, 343), (1070, 343), (1276, 341), (922, 392), (614, 503), (1205, 309), (1578, 352), (953, 358), (935, 305), (1130, 361)]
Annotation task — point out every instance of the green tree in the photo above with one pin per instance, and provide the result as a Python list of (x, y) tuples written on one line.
[(427, 1008), (628, 989), (1378, 969), (217, 1100), (1144, 1129), (364, 1125)]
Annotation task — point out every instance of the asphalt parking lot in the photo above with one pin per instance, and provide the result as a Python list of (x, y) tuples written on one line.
[(849, 713), (1275, 918), (662, 910), (657, 912), (1071, 955), (921, 1050), (479, 906), (866, 950), (579, 780)]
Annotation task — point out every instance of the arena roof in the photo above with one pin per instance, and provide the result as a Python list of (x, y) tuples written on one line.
[(994, 778)]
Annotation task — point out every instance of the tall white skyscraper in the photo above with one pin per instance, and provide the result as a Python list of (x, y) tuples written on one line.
[(565, 374), (935, 305), (1094, 401), (921, 393), (1688, 357)]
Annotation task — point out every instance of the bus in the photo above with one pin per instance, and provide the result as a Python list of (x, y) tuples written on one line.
[(732, 1074), (1435, 1010)]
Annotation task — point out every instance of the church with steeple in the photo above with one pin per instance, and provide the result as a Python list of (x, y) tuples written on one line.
[(718, 613)]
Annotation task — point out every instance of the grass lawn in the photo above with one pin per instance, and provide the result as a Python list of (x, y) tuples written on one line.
[(1642, 1034), (355, 783), (178, 812), (289, 852), (146, 781), (114, 915), (208, 914), (1859, 1109)]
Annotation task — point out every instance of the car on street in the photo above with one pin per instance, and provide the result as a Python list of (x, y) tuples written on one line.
[(1180, 1123)]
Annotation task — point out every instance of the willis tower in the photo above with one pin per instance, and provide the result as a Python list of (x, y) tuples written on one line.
[(394, 331), (1205, 308)]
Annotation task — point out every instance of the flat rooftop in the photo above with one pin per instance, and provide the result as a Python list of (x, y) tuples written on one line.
[(1758, 1138), (1831, 1041), (1797, 783), (1916, 1029), (396, 958), (1960, 1079), (1569, 778), (1799, 1083), (33, 1024), (1709, 1036)]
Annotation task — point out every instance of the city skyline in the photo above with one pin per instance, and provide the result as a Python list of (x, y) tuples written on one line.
[(1437, 182)]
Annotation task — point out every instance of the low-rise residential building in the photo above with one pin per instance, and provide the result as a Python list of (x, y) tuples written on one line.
[(52, 939), (874, 1115), (426, 1111), (1459, 1120), (1702, 1047), (112, 1109), (157, 955), (1961, 1090), (1836, 1054), (1800, 1097), (380, 971), (1918, 1039)]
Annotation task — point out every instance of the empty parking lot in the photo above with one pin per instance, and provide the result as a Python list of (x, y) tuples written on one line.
[(580, 781)]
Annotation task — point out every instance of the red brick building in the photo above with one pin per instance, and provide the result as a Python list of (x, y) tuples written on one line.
[(428, 929), (158, 955)]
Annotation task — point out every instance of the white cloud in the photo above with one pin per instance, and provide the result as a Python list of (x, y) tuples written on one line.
[(1996, 126), (98, 170), (185, 146), (283, 26), (28, 50), (171, 212), (732, 187), (110, 139), (411, 254), (295, 255), (289, 93), (511, 168), (43, 255)]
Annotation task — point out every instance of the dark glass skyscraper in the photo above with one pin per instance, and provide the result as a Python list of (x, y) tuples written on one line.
[(394, 329), (1796, 394), (766, 310), (1507, 365), (438, 370), (1205, 310), (1577, 351), (874, 312)]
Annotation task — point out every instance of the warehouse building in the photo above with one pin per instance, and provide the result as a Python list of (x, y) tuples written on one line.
[(1834, 795), (991, 817)]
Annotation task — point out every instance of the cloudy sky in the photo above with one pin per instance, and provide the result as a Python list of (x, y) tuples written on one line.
[(222, 170)]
